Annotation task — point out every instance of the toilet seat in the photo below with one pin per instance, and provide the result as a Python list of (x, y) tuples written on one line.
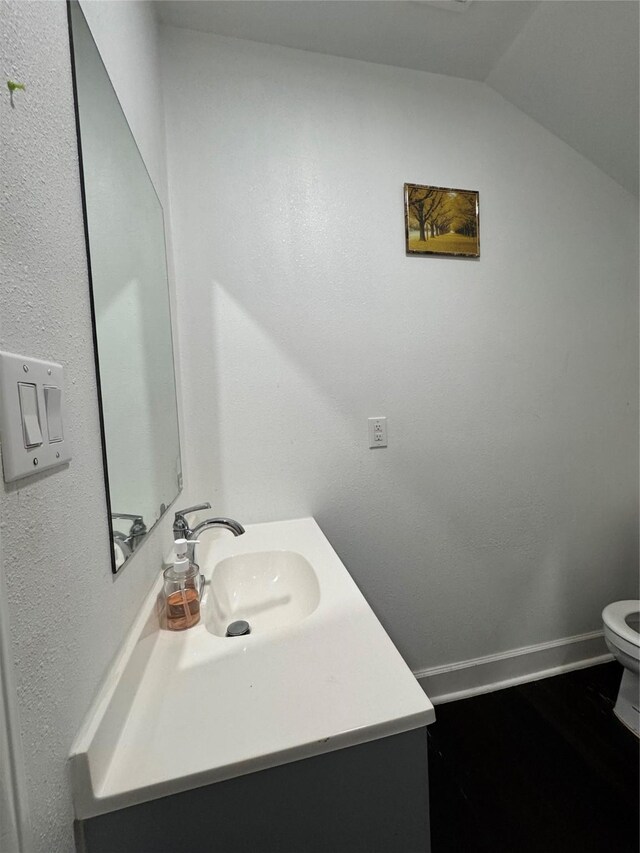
[(623, 642), (614, 617)]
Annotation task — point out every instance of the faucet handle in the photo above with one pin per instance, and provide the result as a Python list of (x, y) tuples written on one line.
[(180, 525), (195, 508)]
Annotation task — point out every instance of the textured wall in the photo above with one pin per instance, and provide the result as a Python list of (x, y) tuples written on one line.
[(69, 614), (505, 510), (555, 70)]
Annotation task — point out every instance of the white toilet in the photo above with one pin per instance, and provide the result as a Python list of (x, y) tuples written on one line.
[(621, 622)]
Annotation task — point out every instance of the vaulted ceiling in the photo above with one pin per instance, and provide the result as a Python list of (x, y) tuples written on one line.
[(573, 65)]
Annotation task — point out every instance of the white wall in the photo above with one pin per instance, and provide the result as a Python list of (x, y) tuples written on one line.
[(69, 614), (505, 510), (572, 63), (15, 832)]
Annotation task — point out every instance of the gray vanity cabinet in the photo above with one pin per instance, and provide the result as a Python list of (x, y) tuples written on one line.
[(370, 798)]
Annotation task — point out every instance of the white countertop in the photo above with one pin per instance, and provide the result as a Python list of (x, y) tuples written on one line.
[(183, 709)]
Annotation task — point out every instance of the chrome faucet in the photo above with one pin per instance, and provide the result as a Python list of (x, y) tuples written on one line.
[(137, 530), (181, 529)]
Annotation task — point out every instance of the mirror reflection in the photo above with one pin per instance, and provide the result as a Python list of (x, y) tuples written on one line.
[(130, 296)]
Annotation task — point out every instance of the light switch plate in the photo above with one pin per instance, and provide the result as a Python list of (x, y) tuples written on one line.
[(18, 460)]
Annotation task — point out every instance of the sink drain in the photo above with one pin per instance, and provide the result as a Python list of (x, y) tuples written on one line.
[(238, 629)]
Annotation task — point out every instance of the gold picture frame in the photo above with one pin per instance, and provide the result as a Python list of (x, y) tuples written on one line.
[(441, 221)]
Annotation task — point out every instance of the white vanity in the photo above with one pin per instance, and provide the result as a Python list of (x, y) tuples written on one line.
[(196, 739)]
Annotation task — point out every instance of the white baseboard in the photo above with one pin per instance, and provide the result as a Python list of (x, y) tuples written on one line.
[(495, 672)]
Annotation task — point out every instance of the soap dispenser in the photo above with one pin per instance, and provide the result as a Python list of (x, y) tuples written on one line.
[(182, 590)]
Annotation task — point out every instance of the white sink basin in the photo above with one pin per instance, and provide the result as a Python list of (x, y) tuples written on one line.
[(317, 673), (268, 589)]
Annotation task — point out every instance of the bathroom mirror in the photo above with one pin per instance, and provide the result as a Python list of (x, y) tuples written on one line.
[(125, 237)]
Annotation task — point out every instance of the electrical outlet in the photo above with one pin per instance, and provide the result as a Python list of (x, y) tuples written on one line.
[(377, 432)]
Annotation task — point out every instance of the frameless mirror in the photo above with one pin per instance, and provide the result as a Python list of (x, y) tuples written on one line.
[(130, 302)]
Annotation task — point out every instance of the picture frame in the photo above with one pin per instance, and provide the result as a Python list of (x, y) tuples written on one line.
[(441, 221)]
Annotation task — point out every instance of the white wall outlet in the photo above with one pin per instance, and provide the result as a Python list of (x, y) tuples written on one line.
[(377, 432)]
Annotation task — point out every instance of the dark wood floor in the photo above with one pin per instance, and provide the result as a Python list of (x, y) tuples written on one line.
[(543, 767)]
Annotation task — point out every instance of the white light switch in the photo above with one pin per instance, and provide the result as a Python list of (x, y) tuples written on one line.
[(53, 408), (31, 431), (31, 416)]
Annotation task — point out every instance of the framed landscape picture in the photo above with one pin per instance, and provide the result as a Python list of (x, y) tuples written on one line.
[(441, 221)]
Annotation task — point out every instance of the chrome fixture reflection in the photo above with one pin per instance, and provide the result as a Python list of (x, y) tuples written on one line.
[(124, 552), (137, 530)]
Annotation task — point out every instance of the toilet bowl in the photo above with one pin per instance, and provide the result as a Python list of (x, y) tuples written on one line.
[(621, 622)]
